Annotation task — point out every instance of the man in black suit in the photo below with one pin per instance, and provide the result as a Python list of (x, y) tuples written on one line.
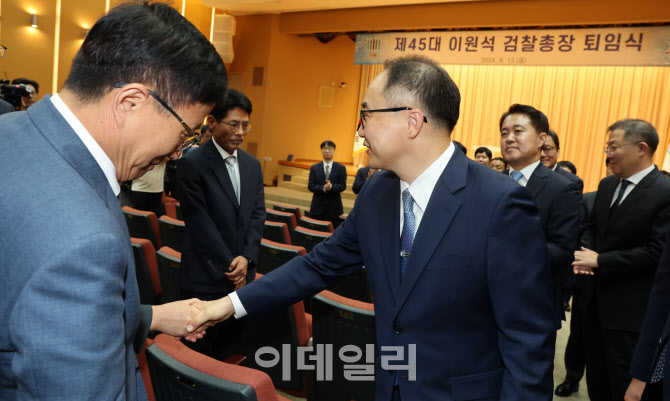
[(621, 247), (648, 367), (326, 180), (551, 151), (523, 131), (362, 175), (220, 188)]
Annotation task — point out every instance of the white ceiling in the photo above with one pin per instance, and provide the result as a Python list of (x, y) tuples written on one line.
[(237, 7)]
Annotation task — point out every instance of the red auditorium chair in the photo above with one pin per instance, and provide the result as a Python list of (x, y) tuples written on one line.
[(142, 224), (277, 232), (146, 270), (316, 225)]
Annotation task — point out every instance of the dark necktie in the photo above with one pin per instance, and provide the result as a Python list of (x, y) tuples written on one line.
[(657, 375), (232, 171), (327, 172), (622, 190)]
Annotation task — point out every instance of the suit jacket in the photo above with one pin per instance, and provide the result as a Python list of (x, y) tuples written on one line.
[(477, 305), (558, 201), (361, 176), (218, 229), (656, 328), (572, 178), (327, 203), (70, 304), (629, 242)]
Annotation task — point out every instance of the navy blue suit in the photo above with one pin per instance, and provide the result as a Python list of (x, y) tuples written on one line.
[(327, 205), (361, 177), (571, 177), (476, 298), (655, 333)]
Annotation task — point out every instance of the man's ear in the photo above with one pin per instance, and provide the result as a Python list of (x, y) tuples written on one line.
[(543, 139), (128, 100), (211, 121), (415, 122)]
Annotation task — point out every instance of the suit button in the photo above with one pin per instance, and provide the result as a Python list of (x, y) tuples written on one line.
[(398, 329)]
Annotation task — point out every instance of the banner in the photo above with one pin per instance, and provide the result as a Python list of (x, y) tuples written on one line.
[(573, 47)]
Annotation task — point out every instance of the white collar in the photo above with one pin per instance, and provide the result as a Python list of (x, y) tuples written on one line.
[(98, 154), (526, 171), (223, 152), (422, 188), (637, 177)]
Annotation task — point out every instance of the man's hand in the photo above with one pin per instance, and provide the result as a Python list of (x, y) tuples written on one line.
[(585, 261), (635, 389), (238, 270), (173, 318), (328, 186), (211, 312)]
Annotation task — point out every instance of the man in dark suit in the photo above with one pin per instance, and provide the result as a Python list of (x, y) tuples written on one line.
[(220, 188), (648, 368), (476, 304), (362, 175), (523, 131), (72, 320), (551, 151), (326, 180), (620, 251)]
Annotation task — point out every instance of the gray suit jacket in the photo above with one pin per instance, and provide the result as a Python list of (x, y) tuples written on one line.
[(70, 304)]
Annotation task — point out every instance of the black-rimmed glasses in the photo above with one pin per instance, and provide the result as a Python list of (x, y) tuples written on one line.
[(190, 136), (391, 110), (246, 126)]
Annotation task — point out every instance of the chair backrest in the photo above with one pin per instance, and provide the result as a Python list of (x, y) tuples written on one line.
[(277, 232), (179, 373), (169, 262), (273, 254), (308, 238), (172, 232), (308, 212), (284, 327), (282, 217), (343, 322), (142, 224), (146, 270), (354, 286), (285, 207), (342, 218), (316, 225)]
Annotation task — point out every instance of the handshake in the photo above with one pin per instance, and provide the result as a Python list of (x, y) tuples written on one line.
[(190, 318)]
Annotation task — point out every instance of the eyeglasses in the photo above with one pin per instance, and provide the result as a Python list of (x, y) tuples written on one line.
[(391, 110), (609, 150), (548, 149), (246, 126), (2, 50), (190, 136)]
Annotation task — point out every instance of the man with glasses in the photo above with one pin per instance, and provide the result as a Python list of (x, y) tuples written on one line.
[(72, 320), (220, 188), (327, 180), (467, 311), (620, 252)]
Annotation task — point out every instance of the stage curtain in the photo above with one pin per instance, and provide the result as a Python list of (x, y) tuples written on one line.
[(368, 73)]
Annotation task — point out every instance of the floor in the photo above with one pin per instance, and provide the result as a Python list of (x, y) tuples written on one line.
[(559, 368)]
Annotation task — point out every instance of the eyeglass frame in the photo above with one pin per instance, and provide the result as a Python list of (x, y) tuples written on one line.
[(3, 49), (191, 139), (391, 110), (550, 148), (609, 151), (236, 126)]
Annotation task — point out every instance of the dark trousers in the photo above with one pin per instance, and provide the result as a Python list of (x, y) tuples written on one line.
[(221, 340), (148, 201), (395, 396), (608, 356), (575, 349)]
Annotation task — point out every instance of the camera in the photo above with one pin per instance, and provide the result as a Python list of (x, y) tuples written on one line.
[(12, 94)]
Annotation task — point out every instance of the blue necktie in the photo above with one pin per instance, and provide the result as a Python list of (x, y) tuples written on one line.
[(657, 375), (407, 236), (516, 175)]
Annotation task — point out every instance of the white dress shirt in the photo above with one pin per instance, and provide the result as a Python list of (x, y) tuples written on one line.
[(526, 171), (96, 151), (226, 155), (634, 180)]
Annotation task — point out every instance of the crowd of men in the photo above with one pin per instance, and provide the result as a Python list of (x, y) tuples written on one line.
[(470, 266)]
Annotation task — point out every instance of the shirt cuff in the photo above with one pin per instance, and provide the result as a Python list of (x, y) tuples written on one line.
[(240, 312)]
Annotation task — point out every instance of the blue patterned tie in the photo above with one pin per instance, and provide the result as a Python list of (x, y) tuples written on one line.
[(657, 375), (516, 175), (407, 237)]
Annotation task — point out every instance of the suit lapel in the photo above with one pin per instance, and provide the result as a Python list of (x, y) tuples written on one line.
[(220, 170), (537, 180), (388, 214), (603, 200), (439, 213), (634, 196)]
